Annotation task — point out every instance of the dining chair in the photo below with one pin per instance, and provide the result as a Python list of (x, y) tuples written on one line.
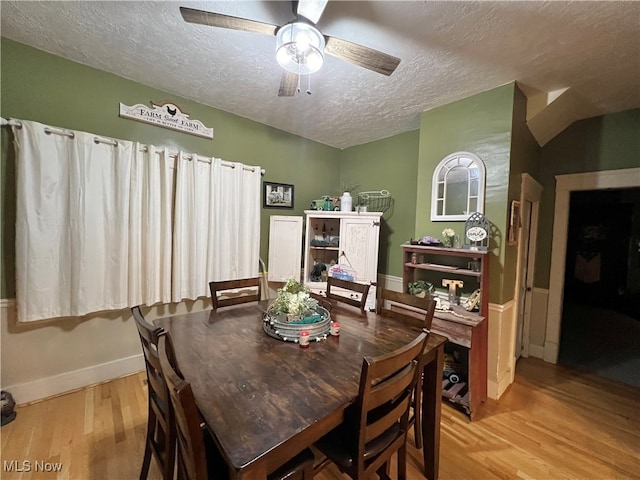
[(361, 290), (409, 309), (376, 426), (161, 435), (227, 286), (198, 456), (322, 301)]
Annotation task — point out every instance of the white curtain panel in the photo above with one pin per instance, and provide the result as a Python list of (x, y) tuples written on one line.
[(234, 242), (150, 231), (216, 224), (72, 226), (191, 227)]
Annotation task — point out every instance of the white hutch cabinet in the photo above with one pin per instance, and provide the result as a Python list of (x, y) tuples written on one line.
[(345, 238)]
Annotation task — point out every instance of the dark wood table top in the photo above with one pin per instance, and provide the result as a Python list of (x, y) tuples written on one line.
[(265, 400)]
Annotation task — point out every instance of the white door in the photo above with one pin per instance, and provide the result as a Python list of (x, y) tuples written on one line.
[(359, 244), (285, 248), (529, 208), (525, 284)]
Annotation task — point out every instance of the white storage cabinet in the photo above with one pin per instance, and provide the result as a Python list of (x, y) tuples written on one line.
[(345, 238)]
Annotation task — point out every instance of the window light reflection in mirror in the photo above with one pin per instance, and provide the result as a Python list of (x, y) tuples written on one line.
[(458, 187)]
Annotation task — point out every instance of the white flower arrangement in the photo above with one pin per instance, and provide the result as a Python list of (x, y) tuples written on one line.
[(449, 232), (449, 235), (293, 300)]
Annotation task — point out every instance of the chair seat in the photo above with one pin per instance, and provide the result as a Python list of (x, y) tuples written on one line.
[(335, 445), (299, 463)]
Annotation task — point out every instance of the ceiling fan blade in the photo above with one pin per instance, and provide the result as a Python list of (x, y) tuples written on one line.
[(311, 9), (225, 21), (288, 84), (362, 56)]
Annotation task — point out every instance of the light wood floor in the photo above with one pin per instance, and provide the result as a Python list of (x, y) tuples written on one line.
[(551, 424)]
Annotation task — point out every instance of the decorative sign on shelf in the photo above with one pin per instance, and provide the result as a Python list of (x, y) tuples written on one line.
[(167, 115), (476, 232)]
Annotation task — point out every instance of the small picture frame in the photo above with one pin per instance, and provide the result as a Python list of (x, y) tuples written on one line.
[(277, 195), (514, 223)]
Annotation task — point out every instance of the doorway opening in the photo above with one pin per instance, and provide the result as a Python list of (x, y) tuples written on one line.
[(600, 328)]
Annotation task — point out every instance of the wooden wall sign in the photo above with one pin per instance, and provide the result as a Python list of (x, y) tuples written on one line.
[(167, 115)]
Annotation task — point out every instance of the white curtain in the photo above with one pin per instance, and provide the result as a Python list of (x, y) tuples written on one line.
[(104, 227), (150, 231), (216, 224), (72, 223)]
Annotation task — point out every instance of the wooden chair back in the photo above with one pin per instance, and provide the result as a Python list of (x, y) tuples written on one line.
[(192, 456), (406, 307), (361, 289), (387, 383), (229, 285), (322, 301), (160, 441), (409, 309)]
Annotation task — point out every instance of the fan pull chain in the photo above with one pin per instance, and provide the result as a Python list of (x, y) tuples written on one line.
[(308, 84)]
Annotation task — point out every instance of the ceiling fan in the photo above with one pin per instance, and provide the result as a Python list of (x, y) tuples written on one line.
[(300, 46)]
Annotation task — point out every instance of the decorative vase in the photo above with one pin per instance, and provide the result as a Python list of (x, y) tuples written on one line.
[(346, 202), (448, 241)]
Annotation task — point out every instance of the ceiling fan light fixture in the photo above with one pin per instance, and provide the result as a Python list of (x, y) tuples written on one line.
[(300, 48)]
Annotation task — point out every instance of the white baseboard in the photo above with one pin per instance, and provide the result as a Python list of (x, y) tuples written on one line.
[(551, 352), (496, 389), (536, 351), (68, 381), (501, 363), (390, 282)]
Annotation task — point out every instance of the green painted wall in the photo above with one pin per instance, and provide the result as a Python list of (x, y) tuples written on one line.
[(38, 86), (609, 142), (525, 158), (42, 87), (482, 125), (389, 164)]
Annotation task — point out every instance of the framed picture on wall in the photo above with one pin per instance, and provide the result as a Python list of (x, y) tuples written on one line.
[(514, 223), (277, 195)]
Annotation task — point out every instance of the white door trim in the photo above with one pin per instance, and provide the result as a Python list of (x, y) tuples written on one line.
[(531, 191), (565, 184)]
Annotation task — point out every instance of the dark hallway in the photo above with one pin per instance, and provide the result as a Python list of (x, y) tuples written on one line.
[(601, 310)]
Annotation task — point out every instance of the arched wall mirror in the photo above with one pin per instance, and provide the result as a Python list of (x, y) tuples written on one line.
[(458, 187)]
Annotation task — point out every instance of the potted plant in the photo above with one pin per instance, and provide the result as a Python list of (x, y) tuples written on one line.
[(420, 288), (293, 302)]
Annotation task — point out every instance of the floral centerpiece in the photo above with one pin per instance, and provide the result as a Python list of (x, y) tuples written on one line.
[(449, 235), (293, 302), (294, 311)]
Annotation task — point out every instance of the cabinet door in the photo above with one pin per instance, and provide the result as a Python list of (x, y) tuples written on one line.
[(285, 247), (359, 242)]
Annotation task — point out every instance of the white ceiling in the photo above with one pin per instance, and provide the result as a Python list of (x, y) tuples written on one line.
[(449, 51)]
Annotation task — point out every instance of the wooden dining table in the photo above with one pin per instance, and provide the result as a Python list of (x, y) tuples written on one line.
[(265, 400)]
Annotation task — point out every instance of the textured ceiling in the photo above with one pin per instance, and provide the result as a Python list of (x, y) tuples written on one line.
[(449, 51)]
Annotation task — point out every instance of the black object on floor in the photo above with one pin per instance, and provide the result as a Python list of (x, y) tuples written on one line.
[(8, 404)]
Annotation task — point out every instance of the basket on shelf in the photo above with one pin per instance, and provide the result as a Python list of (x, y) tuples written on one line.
[(375, 201)]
